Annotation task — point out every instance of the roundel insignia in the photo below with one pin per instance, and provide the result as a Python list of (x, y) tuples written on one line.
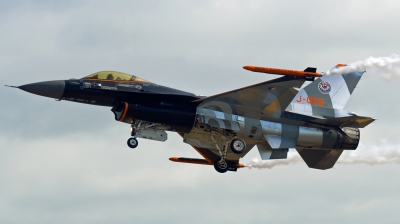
[(324, 87)]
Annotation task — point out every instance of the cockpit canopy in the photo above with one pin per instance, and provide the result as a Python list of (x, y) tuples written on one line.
[(115, 76)]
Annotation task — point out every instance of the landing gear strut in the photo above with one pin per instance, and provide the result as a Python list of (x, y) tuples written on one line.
[(221, 165), (133, 142), (237, 146)]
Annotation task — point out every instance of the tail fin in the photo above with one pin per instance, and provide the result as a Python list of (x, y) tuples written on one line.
[(331, 91)]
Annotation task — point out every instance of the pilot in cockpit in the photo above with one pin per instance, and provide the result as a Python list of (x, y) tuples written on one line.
[(110, 77)]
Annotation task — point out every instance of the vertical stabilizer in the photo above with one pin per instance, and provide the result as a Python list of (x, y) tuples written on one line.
[(331, 91)]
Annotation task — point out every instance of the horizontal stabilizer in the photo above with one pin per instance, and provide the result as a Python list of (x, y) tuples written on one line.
[(343, 120), (320, 159), (352, 121)]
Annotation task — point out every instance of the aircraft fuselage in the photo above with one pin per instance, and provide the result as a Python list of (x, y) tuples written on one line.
[(223, 128), (148, 101)]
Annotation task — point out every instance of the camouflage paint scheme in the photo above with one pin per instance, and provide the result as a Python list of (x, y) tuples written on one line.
[(274, 116)]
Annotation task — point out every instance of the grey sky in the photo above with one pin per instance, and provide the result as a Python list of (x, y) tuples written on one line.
[(68, 163)]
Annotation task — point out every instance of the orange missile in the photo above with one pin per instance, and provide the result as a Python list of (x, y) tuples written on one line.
[(197, 161), (308, 72), (190, 160)]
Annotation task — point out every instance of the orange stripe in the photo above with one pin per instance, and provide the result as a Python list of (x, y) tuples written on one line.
[(124, 114)]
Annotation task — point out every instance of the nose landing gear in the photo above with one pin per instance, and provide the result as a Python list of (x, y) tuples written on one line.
[(133, 142)]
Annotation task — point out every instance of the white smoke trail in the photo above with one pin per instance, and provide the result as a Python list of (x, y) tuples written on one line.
[(384, 157), (385, 67), (269, 164), (380, 154)]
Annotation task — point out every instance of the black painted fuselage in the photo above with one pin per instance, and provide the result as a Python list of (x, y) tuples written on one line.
[(129, 100)]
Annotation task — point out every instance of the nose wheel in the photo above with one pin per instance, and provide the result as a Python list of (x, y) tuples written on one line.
[(132, 143)]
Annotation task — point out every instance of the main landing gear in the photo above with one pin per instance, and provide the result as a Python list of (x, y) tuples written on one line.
[(221, 166), (237, 146)]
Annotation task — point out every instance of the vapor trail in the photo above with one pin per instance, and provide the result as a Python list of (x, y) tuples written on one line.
[(385, 67), (370, 155), (269, 164)]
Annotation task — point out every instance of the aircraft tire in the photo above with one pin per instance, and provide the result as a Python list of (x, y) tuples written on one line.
[(221, 167), (238, 146), (132, 143)]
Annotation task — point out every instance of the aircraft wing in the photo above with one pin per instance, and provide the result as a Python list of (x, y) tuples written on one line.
[(210, 157), (270, 97)]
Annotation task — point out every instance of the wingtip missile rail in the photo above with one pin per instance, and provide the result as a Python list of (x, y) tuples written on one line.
[(308, 72)]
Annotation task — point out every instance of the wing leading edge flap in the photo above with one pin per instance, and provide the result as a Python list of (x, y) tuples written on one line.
[(320, 159)]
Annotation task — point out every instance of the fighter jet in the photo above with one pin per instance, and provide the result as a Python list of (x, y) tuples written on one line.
[(275, 115)]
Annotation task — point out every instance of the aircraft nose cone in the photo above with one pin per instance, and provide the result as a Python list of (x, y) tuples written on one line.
[(52, 89)]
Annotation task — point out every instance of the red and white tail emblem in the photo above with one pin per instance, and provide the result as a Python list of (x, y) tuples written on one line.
[(324, 87)]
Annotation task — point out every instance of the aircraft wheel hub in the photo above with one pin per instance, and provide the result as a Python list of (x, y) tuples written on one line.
[(132, 142), (238, 146)]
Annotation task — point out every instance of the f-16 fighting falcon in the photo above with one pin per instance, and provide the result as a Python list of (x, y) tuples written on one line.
[(274, 115)]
